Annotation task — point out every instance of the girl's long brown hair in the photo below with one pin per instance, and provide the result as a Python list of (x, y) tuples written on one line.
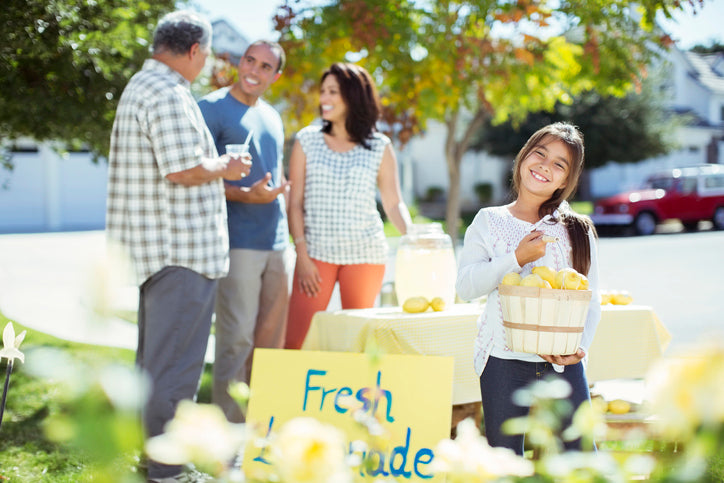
[(360, 96), (577, 226)]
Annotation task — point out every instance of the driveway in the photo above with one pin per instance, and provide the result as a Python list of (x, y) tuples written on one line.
[(45, 280)]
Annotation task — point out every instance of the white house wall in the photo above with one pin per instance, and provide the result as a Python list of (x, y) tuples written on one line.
[(47, 192), (427, 156), (477, 168), (716, 109)]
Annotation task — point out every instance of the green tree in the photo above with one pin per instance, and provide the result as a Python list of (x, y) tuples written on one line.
[(64, 64), (463, 63), (714, 47), (623, 129)]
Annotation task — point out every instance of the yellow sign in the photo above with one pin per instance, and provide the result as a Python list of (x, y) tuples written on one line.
[(409, 396)]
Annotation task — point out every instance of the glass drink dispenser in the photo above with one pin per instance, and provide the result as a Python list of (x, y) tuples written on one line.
[(425, 265)]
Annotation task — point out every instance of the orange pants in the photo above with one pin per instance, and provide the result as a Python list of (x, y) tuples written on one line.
[(359, 285)]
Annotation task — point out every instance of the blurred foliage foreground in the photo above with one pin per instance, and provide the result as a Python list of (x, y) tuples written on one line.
[(73, 415)]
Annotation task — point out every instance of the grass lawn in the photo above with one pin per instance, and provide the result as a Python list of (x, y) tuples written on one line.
[(26, 453)]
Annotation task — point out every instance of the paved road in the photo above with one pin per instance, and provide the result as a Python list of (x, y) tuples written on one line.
[(45, 282), (681, 275), (45, 279)]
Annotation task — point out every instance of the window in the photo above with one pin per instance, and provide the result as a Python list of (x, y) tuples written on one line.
[(714, 181), (661, 183), (23, 148), (687, 185)]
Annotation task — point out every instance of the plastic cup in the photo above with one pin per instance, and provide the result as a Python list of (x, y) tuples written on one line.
[(237, 150)]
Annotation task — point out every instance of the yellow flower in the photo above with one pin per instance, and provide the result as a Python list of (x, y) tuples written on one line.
[(471, 459), (308, 451), (688, 392), (11, 344), (198, 433)]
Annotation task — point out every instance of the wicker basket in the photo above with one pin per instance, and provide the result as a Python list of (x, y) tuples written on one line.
[(543, 320)]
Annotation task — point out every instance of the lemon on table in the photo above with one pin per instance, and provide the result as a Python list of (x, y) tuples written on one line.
[(437, 304), (621, 298), (619, 406), (599, 404), (415, 305)]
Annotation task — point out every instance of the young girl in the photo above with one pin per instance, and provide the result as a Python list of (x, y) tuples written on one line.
[(508, 238), (335, 171)]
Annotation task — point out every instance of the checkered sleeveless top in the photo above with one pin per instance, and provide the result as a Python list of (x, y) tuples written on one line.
[(341, 222)]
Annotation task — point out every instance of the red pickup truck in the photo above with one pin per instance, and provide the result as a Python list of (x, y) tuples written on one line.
[(687, 194)]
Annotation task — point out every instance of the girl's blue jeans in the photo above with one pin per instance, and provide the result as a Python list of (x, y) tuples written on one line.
[(502, 377)]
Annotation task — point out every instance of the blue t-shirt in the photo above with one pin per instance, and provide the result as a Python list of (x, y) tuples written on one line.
[(254, 226)]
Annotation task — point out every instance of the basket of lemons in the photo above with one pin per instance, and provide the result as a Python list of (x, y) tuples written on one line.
[(544, 312)]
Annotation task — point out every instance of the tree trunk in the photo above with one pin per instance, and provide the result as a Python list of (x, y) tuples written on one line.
[(452, 210), (454, 151)]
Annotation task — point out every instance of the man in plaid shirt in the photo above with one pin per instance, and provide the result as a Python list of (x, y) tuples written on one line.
[(166, 207)]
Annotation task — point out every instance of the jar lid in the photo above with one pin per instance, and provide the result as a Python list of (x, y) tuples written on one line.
[(429, 235), (425, 229)]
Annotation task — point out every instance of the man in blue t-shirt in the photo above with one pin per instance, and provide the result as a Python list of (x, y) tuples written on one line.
[(252, 301)]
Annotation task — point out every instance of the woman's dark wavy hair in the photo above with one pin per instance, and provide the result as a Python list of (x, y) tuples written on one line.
[(360, 96), (577, 226)]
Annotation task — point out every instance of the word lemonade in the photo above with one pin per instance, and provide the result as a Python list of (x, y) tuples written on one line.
[(320, 400)]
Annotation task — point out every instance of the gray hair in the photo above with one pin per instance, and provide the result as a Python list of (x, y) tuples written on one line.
[(178, 31)]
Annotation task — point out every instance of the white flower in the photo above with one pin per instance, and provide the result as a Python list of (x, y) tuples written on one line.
[(12, 343), (471, 458), (308, 451), (198, 433)]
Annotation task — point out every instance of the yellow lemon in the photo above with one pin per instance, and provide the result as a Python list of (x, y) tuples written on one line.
[(621, 298), (599, 404), (567, 279), (512, 278), (415, 305), (584, 283), (546, 273), (605, 298), (619, 406), (533, 280), (437, 304)]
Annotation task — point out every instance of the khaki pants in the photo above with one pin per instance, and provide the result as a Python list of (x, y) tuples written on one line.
[(251, 311)]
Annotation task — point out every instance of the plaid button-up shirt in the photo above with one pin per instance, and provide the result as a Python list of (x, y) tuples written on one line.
[(159, 130)]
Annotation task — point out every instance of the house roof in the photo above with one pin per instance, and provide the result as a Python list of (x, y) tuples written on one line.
[(708, 69), (228, 41)]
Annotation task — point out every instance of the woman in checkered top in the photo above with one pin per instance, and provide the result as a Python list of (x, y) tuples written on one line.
[(335, 171)]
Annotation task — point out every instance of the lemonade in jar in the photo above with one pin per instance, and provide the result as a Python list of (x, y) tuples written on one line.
[(425, 265)]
